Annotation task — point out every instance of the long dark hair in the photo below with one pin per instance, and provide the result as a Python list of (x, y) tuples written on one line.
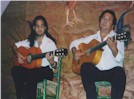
[(110, 12), (33, 34)]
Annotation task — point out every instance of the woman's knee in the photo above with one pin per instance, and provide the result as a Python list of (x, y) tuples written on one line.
[(49, 75)]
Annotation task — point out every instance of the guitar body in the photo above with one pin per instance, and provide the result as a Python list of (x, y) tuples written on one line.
[(93, 58), (25, 52)]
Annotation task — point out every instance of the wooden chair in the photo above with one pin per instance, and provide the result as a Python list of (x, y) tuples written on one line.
[(42, 86)]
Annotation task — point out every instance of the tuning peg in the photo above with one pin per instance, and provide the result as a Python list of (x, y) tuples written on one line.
[(119, 37)]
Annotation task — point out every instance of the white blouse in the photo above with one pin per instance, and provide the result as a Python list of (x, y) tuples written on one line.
[(107, 61), (47, 45)]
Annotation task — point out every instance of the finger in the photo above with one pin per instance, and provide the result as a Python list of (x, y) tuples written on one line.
[(109, 41), (47, 56), (79, 54), (82, 53), (77, 57), (20, 61), (22, 57), (51, 56), (112, 41)]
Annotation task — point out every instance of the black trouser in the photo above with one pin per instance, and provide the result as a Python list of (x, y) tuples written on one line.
[(116, 76), (26, 80)]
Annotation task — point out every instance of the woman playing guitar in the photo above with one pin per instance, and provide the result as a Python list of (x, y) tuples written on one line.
[(26, 78)]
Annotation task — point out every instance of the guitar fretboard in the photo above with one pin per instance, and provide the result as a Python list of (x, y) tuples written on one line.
[(98, 46), (37, 56)]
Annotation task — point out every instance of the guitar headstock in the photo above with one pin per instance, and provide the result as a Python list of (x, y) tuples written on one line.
[(61, 52), (122, 36)]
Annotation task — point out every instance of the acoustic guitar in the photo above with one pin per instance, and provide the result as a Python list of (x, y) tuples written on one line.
[(92, 52), (34, 56)]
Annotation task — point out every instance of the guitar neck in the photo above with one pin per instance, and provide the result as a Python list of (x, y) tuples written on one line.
[(98, 46), (62, 52), (42, 55)]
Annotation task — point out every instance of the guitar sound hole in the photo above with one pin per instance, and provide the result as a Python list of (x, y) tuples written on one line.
[(29, 59)]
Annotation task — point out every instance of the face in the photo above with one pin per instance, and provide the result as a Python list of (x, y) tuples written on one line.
[(106, 22), (39, 27)]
